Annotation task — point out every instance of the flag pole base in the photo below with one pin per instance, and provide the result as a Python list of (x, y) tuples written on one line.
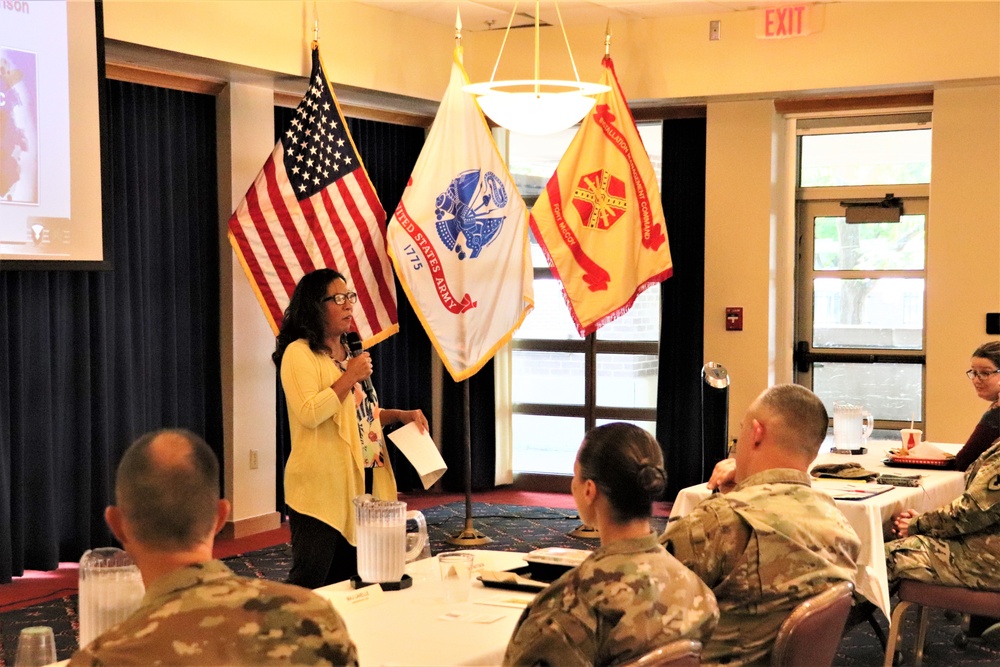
[(468, 537), (585, 532)]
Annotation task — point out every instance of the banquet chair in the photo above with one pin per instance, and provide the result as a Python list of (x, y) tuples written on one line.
[(923, 595), (678, 653), (810, 635)]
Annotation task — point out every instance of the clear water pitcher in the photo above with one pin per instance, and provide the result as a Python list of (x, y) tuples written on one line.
[(852, 425), (380, 526), (110, 590)]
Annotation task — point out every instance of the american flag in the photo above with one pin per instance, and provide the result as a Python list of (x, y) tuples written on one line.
[(313, 206)]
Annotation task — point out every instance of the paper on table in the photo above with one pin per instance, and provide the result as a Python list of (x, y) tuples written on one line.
[(369, 596), (926, 450), (840, 490), (515, 602), (421, 452), (471, 617)]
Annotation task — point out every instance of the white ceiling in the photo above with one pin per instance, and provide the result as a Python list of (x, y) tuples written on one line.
[(480, 15)]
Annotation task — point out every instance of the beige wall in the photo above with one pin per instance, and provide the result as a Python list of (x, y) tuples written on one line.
[(963, 247), (738, 222), (361, 46), (949, 47), (666, 58), (747, 244), (248, 391), (915, 42)]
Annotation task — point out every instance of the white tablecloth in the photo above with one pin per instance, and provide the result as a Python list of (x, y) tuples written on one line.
[(406, 627), (869, 517)]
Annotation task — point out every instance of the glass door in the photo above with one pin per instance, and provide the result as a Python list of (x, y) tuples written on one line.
[(861, 308), (860, 284)]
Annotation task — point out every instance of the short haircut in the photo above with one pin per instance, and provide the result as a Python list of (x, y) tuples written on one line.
[(626, 464), (989, 351), (803, 413), (170, 504)]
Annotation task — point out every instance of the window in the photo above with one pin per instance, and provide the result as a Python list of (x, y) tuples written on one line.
[(860, 293), (563, 384)]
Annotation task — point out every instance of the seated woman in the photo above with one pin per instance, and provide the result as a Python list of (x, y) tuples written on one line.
[(630, 596), (985, 376)]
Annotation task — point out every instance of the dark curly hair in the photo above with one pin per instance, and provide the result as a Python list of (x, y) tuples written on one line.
[(626, 464), (304, 317)]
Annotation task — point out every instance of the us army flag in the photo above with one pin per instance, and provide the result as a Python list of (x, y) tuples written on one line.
[(459, 238), (599, 219)]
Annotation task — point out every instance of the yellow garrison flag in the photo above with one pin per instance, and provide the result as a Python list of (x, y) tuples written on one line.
[(459, 237), (600, 219)]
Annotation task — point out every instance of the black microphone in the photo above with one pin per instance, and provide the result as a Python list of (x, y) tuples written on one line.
[(355, 348)]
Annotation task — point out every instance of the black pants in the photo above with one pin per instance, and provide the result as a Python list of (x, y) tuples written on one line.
[(320, 554)]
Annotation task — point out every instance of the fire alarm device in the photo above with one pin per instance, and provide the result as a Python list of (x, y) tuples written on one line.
[(734, 319)]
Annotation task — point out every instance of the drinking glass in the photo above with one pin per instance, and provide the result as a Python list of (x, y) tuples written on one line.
[(456, 575), (35, 647)]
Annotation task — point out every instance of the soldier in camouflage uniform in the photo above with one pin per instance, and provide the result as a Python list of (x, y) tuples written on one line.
[(958, 544), (772, 541), (195, 610), (629, 596)]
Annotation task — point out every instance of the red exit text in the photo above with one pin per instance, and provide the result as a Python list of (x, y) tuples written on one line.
[(782, 22)]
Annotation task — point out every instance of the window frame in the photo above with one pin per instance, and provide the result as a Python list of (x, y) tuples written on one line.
[(590, 347)]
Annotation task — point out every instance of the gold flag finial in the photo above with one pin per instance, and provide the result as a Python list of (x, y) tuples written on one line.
[(315, 42), (607, 39)]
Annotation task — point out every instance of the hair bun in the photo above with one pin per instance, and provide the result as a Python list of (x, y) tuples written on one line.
[(652, 479)]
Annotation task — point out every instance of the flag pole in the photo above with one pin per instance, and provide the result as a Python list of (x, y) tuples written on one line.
[(586, 531), (469, 536), (315, 42)]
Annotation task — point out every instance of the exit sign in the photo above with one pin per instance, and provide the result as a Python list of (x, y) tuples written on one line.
[(787, 21)]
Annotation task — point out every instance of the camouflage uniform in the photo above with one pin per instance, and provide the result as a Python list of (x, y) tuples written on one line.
[(205, 615), (626, 599), (958, 544), (763, 548)]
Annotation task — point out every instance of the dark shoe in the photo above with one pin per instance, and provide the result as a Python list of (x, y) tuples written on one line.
[(991, 635), (978, 625)]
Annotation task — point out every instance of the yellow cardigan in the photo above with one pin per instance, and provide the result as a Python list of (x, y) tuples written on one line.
[(325, 469)]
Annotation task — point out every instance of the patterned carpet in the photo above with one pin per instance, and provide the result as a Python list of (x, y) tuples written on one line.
[(512, 528)]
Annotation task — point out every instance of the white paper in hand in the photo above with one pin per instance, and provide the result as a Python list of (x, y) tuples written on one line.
[(421, 452)]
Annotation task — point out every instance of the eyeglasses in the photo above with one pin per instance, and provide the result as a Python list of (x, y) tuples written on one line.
[(340, 299), (982, 375)]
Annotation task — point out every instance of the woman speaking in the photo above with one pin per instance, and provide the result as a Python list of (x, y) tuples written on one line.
[(338, 451)]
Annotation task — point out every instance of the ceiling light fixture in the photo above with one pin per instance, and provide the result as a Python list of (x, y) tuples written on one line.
[(547, 105)]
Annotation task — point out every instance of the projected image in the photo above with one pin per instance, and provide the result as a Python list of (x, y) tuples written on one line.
[(50, 142), (18, 127)]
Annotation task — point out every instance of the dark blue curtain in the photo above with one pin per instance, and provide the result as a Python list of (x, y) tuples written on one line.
[(402, 363), (89, 360), (682, 339), (482, 425)]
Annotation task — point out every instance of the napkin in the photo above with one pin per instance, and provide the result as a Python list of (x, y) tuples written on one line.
[(929, 452)]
